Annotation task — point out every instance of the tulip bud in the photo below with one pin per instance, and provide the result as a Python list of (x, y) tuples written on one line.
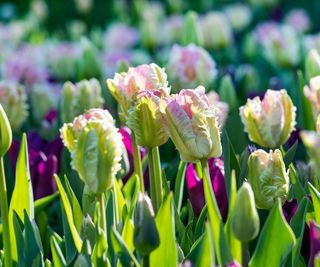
[(192, 124), (312, 64), (312, 92), (228, 92), (146, 121), (79, 97), (245, 219), (125, 86), (95, 146), (146, 236), (268, 177), (190, 66), (269, 122), (14, 102), (5, 133), (191, 31), (239, 16)]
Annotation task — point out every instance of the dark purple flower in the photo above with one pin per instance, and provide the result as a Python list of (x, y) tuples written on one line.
[(44, 158), (314, 241), (289, 209), (196, 191)]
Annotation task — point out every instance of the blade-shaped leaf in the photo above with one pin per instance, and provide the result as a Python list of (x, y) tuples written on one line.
[(57, 255), (179, 185), (166, 254), (275, 242), (42, 203), (316, 201), (22, 196)]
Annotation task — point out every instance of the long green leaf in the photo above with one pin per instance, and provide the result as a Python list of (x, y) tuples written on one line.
[(22, 196), (57, 255), (275, 242), (42, 203), (316, 201), (68, 209), (166, 254), (179, 185)]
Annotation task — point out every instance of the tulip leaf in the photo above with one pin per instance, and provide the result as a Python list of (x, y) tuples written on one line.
[(22, 196), (127, 233), (125, 256), (275, 242), (68, 210), (166, 253), (200, 223), (42, 203), (289, 155), (119, 201), (315, 195), (130, 193), (179, 185), (297, 224), (57, 255)]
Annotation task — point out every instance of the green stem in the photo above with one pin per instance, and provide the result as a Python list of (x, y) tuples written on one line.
[(5, 216), (245, 257), (103, 220), (155, 177), (145, 261), (137, 161)]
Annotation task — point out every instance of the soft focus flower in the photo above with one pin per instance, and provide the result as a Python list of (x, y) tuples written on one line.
[(312, 64), (79, 97), (190, 66), (84, 6), (279, 43), (145, 118), (311, 41), (314, 241), (125, 86), (223, 108), (49, 94), (44, 158), (268, 177), (311, 140), (192, 124), (239, 16), (172, 29), (39, 9), (120, 37), (312, 92), (269, 122), (96, 148), (217, 31), (13, 99), (298, 19), (196, 191), (245, 220)]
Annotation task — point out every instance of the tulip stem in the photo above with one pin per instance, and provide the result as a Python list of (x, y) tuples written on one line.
[(145, 261), (245, 254), (137, 161), (155, 177), (5, 216), (103, 220)]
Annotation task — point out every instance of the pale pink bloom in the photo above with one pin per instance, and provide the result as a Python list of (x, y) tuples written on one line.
[(222, 107), (298, 19)]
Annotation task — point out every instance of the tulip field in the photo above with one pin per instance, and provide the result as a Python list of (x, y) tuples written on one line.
[(169, 133)]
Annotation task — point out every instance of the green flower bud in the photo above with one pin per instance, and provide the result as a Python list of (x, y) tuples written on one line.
[(13, 99), (5, 133), (146, 236), (145, 119), (268, 177), (311, 140), (228, 92), (79, 97), (312, 64), (245, 219), (96, 148), (191, 30)]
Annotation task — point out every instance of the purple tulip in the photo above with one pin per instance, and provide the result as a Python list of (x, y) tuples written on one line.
[(289, 209), (196, 191), (44, 158), (314, 241)]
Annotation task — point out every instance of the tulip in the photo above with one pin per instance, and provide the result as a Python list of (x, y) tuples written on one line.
[(13, 99), (228, 93), (222, 107), (146, 121), (195, 187), (298, 19), (268, 178), (146, 236), (269, 122), (311, 140), (217, 30), (96, 148), (191, 33), (312, 64), (314, 242), (312, 92), (192, 125), (245, 219), (189, 66), (79, 97), (125, 86), (239, 16)]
